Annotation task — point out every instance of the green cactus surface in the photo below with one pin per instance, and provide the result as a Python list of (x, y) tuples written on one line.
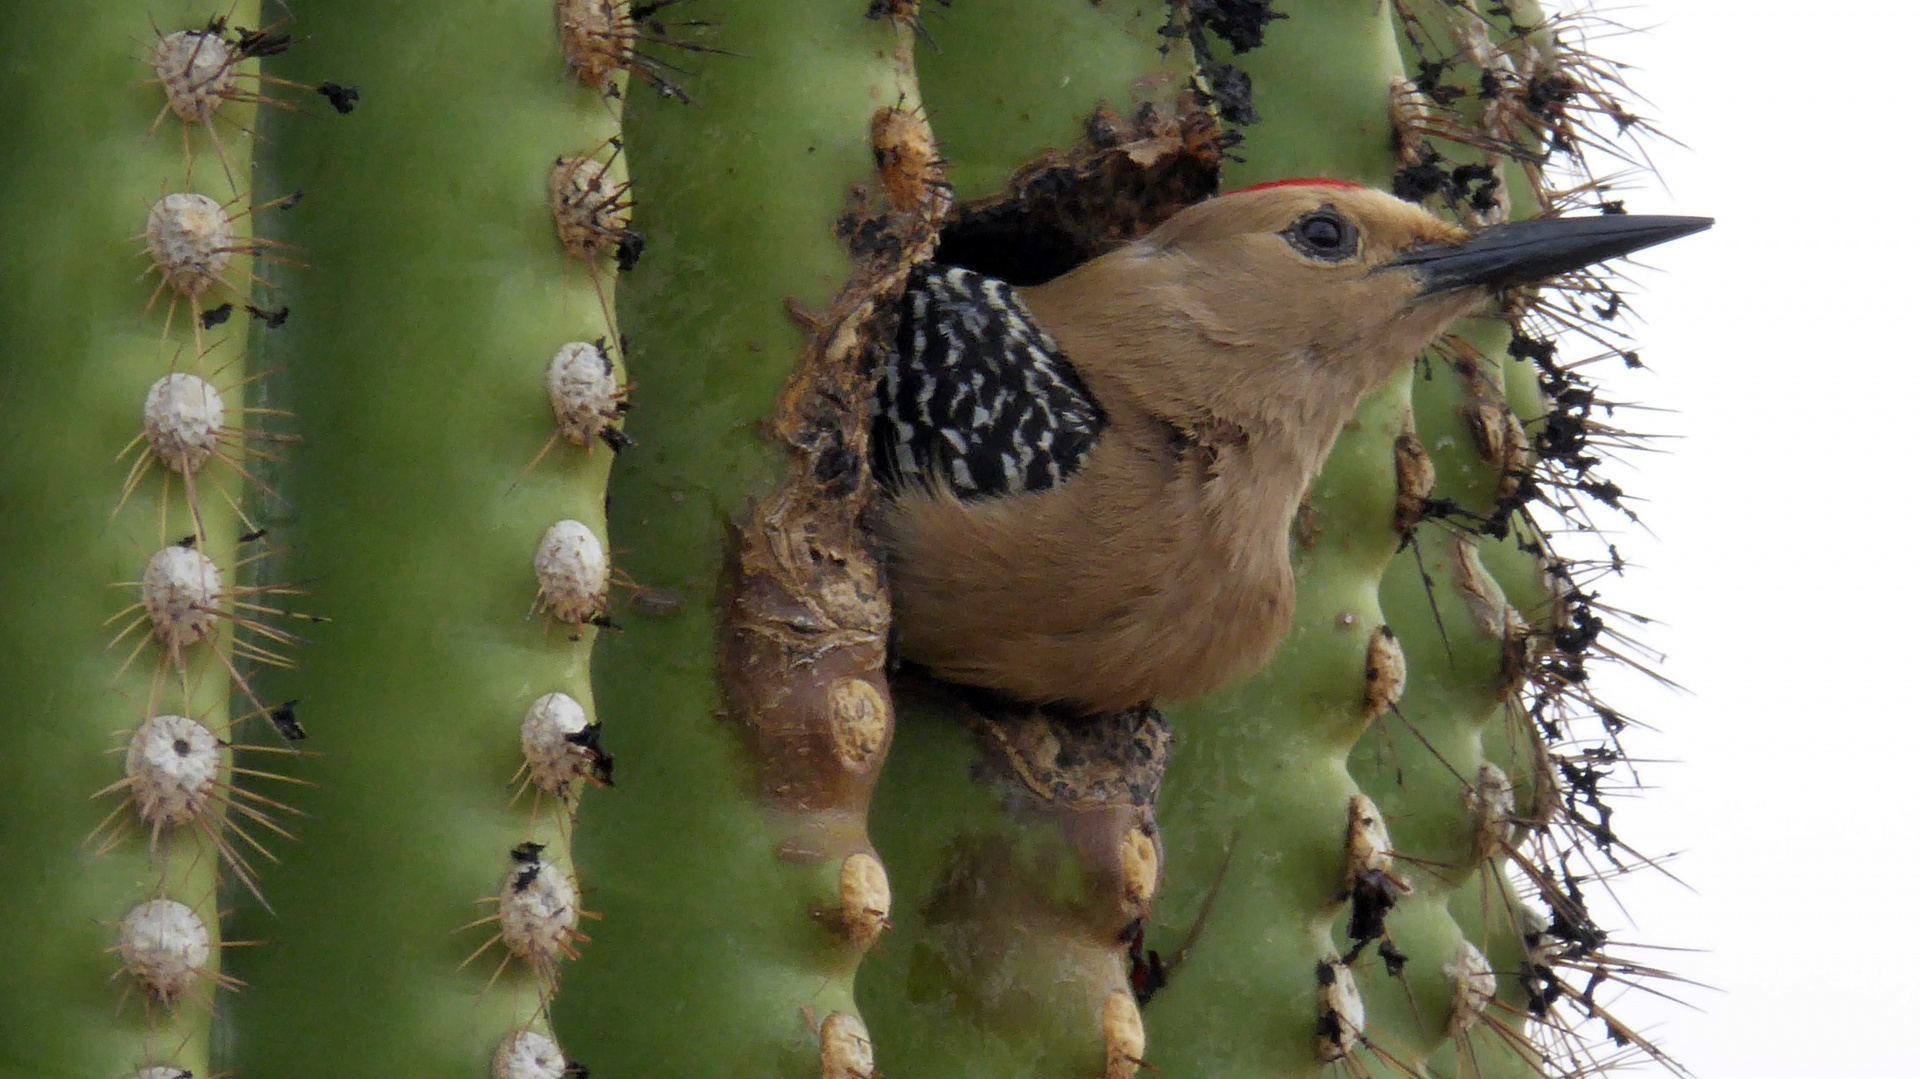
[(543, 335), (433, 290), (729, 856), (116, 955)]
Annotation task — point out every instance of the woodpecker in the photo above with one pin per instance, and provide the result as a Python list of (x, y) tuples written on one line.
[(1090, 482)]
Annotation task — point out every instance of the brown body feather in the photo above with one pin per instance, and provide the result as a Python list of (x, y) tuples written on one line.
[(1227, 360)]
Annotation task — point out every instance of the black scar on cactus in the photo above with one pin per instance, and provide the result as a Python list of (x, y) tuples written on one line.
[(271, 318), (1146, 972), (1242, 25), (646, 27), (627, 249), (1552, 97), (600, 762), (286, 722), (907, 11), (1374, 895), (342, 98)]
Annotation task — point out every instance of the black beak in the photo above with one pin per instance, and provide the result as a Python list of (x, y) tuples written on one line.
[(1527, 251)]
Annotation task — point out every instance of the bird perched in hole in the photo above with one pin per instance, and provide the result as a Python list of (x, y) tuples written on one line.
[(1090, 482)]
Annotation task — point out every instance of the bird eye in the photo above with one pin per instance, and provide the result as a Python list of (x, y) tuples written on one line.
[(1324, 235)]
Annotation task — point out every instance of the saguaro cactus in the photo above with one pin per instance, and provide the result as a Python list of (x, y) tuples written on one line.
[(493, 408)]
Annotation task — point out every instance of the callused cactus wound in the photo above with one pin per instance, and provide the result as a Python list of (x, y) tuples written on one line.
[(571, 568), (182, 419), (528, 1054), (164, 946), (190, 238)]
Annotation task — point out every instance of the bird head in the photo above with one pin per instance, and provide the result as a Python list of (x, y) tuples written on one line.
[(1303, 292)]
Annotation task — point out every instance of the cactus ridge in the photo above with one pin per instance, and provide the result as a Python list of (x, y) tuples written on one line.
[(554, 397), (1505, 112), (755, 181)]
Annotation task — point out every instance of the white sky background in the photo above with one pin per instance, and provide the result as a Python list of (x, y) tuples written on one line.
[(1782, 555)]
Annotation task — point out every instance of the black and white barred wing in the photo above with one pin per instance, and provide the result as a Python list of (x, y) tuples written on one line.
[(975, 396)]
